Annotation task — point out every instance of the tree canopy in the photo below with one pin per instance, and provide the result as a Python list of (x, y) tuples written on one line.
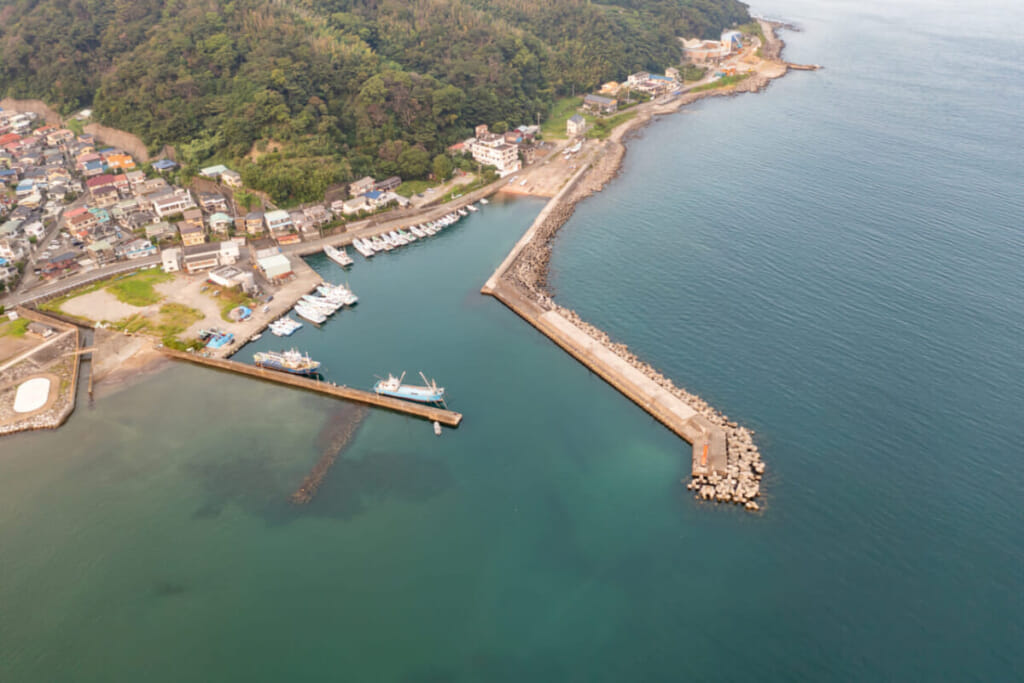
[(343, 88)]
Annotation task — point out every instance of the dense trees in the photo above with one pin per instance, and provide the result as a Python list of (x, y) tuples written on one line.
[(342, 87)]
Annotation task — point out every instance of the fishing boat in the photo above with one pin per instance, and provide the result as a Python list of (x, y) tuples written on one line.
[(418, 231), (437, 428), (284, 327), (339, 256), (407, 236), (392, 386), (309, 313), (339, 294), (320, 303), (484, 201), (463, 212), (257, 336), (471, 208), (287, 361), (363, 247)]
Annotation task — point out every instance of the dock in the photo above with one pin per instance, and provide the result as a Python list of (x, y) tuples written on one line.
[(446, 417)]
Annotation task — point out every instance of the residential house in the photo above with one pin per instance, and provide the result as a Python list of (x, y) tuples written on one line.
[(105, 196), (492, 150), (173, 203), (361, 186), (151, 187), (35, 229), (213, 171), (231, 250), (299, 221), (119, 160), (159, 231), (139, 248), (576, 126), (135, 178), (600, 105), (170, 260), (355, 205), (201, 257), (60, 264), (10, 249), (317, 215), (278, 221), (231, 178), (101, 252), (164, 165), (80, 221), (212, 201), (193, 217), (220, 222), (191, 234), (388, 184), (254, 222)]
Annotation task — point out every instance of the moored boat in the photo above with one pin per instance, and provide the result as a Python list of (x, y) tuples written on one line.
[(309, 313), (339, 256), (287, 361), (428, 393)]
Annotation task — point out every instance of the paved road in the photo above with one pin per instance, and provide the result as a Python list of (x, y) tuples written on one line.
[(24, 297)]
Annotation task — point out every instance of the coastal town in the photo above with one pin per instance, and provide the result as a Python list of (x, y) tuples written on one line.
[(147, 262)]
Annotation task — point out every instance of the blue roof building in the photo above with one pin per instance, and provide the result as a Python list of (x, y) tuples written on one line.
[(164, 165)]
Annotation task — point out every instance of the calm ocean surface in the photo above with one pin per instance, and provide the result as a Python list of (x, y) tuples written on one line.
[(837, 262)]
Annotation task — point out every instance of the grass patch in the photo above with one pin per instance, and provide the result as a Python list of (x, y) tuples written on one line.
[(562, 111), (229, 298), (137, 289), (724, 82), (411, 187), (601, 128), (15, 328), (171, 320)]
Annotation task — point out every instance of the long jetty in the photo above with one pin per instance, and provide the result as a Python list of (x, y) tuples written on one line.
[(720, 470), (446, 417)]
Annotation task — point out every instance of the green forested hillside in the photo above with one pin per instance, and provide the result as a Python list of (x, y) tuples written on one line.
[(346, 87)]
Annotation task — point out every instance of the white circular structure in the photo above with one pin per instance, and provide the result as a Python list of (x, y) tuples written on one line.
[(32, 395)]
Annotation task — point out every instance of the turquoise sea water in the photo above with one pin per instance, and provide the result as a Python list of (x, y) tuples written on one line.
[(837, 262)]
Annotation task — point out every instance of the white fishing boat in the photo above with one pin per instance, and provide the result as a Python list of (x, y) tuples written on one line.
[(320, 303), (363, 247), (416, 230), (437, 428), (408, 236), (463, 212), (484, 201), (339, 294), (471, 208), (309, 313), (339, 256)]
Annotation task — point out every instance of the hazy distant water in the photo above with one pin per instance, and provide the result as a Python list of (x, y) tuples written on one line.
[(837, 262)]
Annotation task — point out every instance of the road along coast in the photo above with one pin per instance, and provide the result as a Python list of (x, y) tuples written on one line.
[(726, 464)]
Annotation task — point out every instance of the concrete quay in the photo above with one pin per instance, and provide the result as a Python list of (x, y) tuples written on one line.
[(446, 417)]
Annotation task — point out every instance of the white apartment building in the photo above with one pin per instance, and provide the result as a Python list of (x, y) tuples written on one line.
[(494, 151)]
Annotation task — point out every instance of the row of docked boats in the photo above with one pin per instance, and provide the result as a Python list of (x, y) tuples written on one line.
[(327, 301), (387, 241), (284, 327)]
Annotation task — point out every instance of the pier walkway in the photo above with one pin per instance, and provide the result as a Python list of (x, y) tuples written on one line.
[(445, 417)]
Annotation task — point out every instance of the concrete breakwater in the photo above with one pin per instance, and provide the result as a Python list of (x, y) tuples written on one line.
[(305, 493), (726, 464)]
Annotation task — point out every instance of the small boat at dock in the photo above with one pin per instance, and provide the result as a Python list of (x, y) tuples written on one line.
[(284, 327), (428, 393), (484, 201), (287, 361), (339, 256), (363, 247), (309, 313), (471, 208)]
